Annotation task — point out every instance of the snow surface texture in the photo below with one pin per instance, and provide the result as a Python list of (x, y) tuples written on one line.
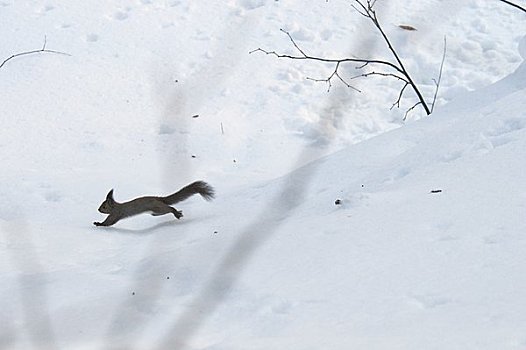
[(425, 249)]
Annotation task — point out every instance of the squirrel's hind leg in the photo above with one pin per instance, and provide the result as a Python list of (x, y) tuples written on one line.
[(177, 213), (167, 210)]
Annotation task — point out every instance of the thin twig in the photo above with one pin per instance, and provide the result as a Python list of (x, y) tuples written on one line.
[(437, 82), (359, 11), (294, 43), (392, 75), (514, 5), (397, 102), (371, 14), (323, 59), (43, 49), (328, 80), (411, 108), (364, 8)]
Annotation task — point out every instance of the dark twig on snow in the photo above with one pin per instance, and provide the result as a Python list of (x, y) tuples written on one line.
[(368, 12), (397, 102), (334, 74), (392, 75), (336, 61), (514, 5), (43, 49), (411, 108)]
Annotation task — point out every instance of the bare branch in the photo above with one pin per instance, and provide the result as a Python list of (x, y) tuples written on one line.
[(371, 14), (328, 60), (398, 70), (43, 49), (362, 11), (397, 102), (411, 108), (294, 43), (437, 82), (335, 73), (363, 65), (514, 5), (392, 75)]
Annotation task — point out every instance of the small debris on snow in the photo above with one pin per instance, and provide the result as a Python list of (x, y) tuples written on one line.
[(435, 191), (338, 202), (406, 27)]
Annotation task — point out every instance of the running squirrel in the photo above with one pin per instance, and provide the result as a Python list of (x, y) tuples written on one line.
[(155, 205)]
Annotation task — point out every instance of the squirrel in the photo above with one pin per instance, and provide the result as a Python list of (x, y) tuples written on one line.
[(156, 205)]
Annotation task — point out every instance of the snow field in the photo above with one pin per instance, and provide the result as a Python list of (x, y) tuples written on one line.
[(157, 94)]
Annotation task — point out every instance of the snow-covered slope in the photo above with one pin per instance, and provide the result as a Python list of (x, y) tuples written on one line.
[(412, 239)]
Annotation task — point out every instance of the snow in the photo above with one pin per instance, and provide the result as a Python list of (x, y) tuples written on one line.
[(425, 249)]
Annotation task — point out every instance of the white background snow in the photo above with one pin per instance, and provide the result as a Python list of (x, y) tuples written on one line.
[(272, 263)]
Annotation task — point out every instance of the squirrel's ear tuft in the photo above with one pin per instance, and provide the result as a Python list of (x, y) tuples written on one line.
[(110, 195)]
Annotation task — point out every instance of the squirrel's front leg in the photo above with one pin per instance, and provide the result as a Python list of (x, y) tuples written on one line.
[(110, 220)]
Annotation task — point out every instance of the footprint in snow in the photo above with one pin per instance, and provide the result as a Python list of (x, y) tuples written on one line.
[(429, 301), (120, 16), (47, 8), (251, 4), (275, 305), (508, 126), (173, 3), (303, 35), (53, 196), (502, 134), (282, 307), (92, 38)]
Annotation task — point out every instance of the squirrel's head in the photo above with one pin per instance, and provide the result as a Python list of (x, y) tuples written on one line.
[(107, 206)]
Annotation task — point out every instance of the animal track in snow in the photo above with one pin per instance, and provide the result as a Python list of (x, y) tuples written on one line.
[(173, 3), (451, 156), (429, 301), (444, 232), (252, 4), (92, 38), (502, 134), (47, 8), (508, 126), (397, 174), (53, 196), (281, 307), (120, 15), (275, 305), (492, 239)]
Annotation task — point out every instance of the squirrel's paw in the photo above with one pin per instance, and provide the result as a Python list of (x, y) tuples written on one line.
[(97, 223)]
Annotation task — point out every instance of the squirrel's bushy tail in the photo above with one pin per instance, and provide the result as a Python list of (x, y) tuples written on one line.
[(201, 187)]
